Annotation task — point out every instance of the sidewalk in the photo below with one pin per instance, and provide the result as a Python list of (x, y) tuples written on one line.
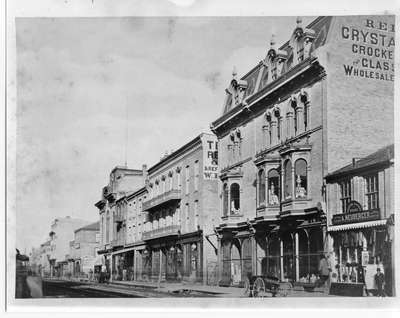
[(212, 291), (174, 288), (167, 289)]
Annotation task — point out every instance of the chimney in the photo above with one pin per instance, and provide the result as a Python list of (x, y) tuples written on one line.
[(144, 173)]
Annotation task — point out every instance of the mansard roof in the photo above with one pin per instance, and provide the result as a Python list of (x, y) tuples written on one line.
[(318, 27)]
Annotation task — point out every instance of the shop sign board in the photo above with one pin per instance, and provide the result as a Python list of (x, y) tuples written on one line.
[(210, 157), (356, 217)]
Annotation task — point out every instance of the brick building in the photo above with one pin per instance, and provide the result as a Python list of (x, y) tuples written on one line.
[(82, 253), (322, 98), (61, 234), (360, 220)]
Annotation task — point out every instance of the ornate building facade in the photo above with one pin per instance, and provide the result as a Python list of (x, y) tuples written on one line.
[(304, 111)]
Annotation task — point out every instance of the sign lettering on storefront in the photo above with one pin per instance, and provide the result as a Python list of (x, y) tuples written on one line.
[(210, 158), (373, 48), (355, 217)]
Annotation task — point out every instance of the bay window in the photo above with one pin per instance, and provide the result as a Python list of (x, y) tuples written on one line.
[(288, 180), (273, 187), (235, 198), (261, 187), (301, 178)]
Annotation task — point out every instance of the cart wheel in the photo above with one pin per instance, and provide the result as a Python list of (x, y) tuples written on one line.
[(247, 290), (259, 288)]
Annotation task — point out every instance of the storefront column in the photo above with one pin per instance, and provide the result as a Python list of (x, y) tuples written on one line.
[(281, 258), (340, 274), (219, 261), (111, 267), (296, 240)]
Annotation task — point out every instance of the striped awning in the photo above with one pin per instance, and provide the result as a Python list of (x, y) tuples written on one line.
[(360, 225)]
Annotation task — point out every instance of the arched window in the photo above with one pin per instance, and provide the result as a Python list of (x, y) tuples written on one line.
[(301, 178), (261, 187), (305, 102), (225, 200), (273, 187), (278, 123), (235, 198), (288, 180)]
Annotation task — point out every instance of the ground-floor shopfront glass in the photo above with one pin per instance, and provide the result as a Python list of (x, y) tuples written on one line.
[(291, 255), (236, 260), (173, 261), (360, 252)]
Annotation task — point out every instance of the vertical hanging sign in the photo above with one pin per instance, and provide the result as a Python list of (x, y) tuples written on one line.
[(210, 157)]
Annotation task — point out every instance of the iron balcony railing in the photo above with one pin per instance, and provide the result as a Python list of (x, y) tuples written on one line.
[(161, 232), (162, 199)]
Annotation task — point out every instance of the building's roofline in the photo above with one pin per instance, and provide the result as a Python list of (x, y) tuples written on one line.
[(125, 168), (135, 193), (379, 158), (90, 227), (186, 147)]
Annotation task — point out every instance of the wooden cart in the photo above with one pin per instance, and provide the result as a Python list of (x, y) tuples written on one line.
[(264, 286)]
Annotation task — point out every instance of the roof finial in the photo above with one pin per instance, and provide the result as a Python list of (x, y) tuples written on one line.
[(234, 72), (272, 42), (299, 21)]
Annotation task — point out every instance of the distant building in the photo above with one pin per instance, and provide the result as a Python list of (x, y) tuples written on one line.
[(360, 214), (61, 234), (82, 255), (112, 221), (128, 260)]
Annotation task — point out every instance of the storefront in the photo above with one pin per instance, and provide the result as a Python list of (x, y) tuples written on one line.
[(360, 249), (291, 251), (236, 259), (175, 259)]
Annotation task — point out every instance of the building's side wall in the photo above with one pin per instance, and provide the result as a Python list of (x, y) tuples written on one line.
[(360, 113), (64, 234)]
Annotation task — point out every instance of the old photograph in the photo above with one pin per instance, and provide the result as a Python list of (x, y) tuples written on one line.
[(204, 157)]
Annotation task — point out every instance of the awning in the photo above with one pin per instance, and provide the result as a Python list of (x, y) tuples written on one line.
[(361, 225), (129, 249)]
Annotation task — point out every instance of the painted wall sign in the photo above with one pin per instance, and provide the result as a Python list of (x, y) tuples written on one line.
[(210, 158), (372, 47), (356, 217)]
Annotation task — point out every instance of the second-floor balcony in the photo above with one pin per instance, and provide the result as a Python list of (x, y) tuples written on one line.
[(162, 199), (171, 230)]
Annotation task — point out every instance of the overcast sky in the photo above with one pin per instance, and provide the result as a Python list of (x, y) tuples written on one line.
[(82, 80)]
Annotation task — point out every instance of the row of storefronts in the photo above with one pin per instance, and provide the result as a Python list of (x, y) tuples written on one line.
[(277, 196), (159, 229)]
